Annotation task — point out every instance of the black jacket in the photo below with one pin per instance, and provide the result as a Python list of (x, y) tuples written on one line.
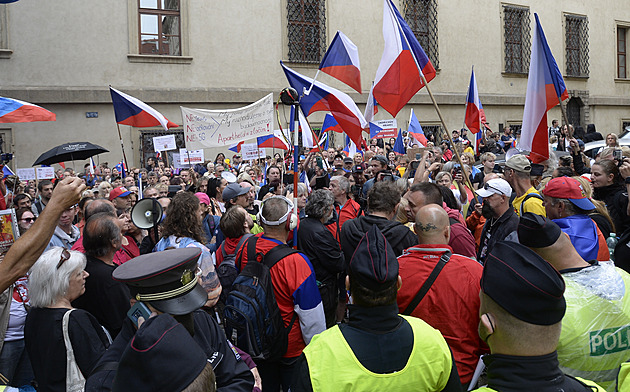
[(616, 200), (540, 373), (232, 374), (318, 243), (506, 224), (398, 236)]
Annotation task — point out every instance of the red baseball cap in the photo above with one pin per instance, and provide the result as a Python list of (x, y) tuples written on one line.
[(568, 188), (121, 191)]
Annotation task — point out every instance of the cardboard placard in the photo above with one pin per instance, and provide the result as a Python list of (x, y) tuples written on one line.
[(251, 151), (411, 153), (45, 173), (164, 143)]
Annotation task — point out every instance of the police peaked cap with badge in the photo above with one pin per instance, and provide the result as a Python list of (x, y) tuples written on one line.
[(167, 280)]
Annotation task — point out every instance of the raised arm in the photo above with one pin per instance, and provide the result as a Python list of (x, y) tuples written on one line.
[(27, 249)]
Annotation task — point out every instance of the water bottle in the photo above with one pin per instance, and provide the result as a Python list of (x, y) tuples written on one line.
[(612, 243)]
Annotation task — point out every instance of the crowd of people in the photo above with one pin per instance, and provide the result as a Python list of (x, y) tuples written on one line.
[(406, 270)]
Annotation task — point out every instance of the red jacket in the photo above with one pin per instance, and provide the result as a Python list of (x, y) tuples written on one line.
[(452, 303), (350, 210)]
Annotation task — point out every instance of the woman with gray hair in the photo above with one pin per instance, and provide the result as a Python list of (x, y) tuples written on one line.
[(301, 197), (322, 249), (56, 279)]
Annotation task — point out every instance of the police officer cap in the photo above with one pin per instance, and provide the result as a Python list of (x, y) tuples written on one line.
[(536, 231), (166, 279), (524, 284), (162, 356), (374, 264)]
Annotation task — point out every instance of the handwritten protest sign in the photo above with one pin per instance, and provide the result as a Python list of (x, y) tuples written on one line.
[(251, 151), (26, 174), (219, 128)]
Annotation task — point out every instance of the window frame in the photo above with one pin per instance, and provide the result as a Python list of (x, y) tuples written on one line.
[(411, 14), (525, 40), (160, 13), (5, 52), (582, 49), (133, 21), (622, 30), (623, 25), (322, 29)]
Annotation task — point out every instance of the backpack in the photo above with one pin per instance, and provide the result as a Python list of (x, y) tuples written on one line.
[(227, 271), (252, 317)]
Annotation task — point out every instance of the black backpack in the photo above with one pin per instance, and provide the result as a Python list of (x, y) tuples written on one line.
[(227, 271), (252, 317)]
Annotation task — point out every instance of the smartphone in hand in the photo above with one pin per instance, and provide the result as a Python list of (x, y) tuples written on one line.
[(138, 310)]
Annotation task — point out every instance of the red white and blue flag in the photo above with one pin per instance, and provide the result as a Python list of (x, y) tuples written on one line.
[(398, 75), (132, 111), (323, 97), (276, 140), (16, 111), (341, 61), (351, 148), (330, 124), (323, 142), (307, 132), (399, 145), (371, 106), (545, 89), (236, 147), (415, 129), (475, 116)]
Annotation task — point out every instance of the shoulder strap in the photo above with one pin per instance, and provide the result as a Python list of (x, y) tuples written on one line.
[(428, 283), (527, 197), (251, 250), (276, 254), (452, 221)]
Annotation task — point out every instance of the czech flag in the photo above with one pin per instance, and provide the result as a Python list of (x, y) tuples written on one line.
[(415, 129), (371, 106), (398, 75), (474, 110), (399, 146), (16, 111), (273, 141), (323, 143), (545, 89), (478, 137), (374, 130), (341, 61), (134, 112), (236, 147), (323, 97), (307, 133), (351, 148), (330, 124), (121, 169)]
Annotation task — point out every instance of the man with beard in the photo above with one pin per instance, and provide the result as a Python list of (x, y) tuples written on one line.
[(501, 220)]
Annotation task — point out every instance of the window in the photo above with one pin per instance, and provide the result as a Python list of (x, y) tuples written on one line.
[(621, 52), (434, 131), (516, 35), (306, 30), (159, 27), (5, 52), (576, 31), (421, 15)]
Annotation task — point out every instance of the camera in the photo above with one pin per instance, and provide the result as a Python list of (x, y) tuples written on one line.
[(617, 155)]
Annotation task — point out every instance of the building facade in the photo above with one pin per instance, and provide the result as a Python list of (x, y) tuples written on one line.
[(63, 55)]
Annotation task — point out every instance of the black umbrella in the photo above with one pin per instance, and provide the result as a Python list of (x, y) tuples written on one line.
[(69, 152)]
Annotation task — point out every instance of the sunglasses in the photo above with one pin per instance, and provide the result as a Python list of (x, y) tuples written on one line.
[(65, 255), (28, 220)]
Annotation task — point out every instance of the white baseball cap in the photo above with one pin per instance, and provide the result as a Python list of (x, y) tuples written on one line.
[(495, 186)]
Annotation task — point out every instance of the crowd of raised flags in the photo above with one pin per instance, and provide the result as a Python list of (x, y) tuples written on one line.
[(403, 70)]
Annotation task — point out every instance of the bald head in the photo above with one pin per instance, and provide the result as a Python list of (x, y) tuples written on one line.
[(432, 225)]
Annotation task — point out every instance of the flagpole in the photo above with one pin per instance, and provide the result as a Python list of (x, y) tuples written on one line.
[(122, 146), (564, 117), (307, 92), (292, 127), (437, 108)]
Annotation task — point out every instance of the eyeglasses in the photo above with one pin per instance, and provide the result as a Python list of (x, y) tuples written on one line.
[(65, 255), (28, 220)]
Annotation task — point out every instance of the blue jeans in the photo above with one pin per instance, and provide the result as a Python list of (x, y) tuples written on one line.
[(15, 365)]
